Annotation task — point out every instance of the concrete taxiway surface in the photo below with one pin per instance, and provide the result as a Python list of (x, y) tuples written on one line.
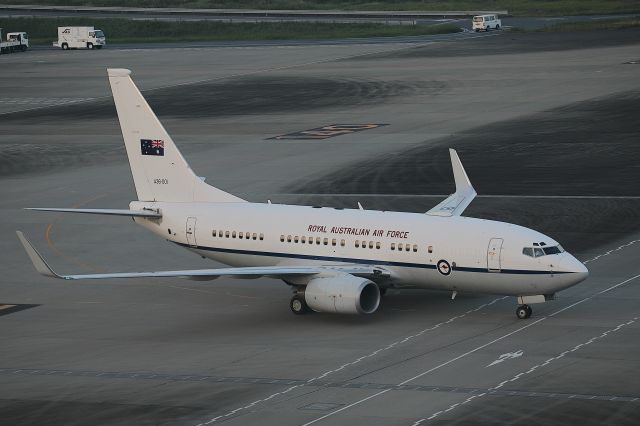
[(545, 125)]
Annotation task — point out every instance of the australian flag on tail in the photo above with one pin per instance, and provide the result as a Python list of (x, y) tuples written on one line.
[(152, 147)]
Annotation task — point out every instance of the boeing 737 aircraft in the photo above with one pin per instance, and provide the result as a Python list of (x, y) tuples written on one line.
[(335, 260)]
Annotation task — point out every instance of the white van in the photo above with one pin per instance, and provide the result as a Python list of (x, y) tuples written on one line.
[(486, 22)]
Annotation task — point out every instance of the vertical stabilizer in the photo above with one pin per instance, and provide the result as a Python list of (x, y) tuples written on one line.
[(160, 172)]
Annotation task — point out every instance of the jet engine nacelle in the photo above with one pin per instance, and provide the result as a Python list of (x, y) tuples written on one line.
[(342, 294)]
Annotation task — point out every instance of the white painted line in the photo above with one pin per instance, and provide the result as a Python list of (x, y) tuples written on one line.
[(504, 336), (612, 251), (356, 361)]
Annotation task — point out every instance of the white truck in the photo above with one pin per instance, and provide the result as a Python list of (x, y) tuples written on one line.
[(80, 38), (16, 42)]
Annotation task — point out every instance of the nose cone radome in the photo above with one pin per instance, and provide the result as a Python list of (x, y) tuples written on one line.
[(576, 269)]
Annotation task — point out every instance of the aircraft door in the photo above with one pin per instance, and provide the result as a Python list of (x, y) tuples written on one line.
[(494, 253), (191, 231)]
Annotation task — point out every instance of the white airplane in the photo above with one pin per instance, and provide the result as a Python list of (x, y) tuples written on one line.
[(335, 260)]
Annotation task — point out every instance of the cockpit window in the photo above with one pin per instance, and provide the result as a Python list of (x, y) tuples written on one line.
[(542, 251), (553, 250)]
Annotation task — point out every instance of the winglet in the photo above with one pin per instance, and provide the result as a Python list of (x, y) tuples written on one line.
[(36, 258), (459, 175), (455, 204)]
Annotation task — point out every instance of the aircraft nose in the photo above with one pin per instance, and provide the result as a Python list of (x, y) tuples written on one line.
[(578, 271)]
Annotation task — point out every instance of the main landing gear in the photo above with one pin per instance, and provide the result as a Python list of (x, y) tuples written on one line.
[(524, 311), (298, 305)]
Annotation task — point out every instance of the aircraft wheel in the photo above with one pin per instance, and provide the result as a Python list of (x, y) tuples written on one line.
[(524, 311), (298, 305)]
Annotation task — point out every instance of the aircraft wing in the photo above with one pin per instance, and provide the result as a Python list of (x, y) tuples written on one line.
[(111, 212), (203, 274), (457, 202)]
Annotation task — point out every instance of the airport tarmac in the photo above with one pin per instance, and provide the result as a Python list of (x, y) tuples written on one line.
[(547, 135)]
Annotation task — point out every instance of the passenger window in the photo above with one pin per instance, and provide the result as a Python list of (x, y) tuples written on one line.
[(318, 241), (295, 239), (370, 244), (342, 243), (415, 248), (241, 235), (357, 243), (310, 240), (333, 242), (233, 234), (325, 241), (288, 238), (393, 246), (430, 249), (378, 245), (261, 237), (303, 239), (255, 236), (282, 238), (399, 246), (407, 247), (226, 234), (213, 233)]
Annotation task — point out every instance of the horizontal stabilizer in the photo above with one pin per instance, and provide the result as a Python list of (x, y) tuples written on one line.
[(457, 202), (199, 274), (113, 212)]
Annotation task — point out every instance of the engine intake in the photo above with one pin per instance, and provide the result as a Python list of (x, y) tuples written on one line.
[(342, 294)]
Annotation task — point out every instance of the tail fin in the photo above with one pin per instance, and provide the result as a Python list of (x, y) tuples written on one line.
[(160, 172)]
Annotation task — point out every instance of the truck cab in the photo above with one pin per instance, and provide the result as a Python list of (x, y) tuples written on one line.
[(21, 37), (486, 22)]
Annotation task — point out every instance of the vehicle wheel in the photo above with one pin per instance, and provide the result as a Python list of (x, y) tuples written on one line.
[(65, 46), (89, 46), (524, 311), (298, 305)]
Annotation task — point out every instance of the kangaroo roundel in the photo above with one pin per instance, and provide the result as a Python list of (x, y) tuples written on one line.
[(444, 268)]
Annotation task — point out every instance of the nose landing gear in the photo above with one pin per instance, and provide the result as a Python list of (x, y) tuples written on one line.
[(524, 311)]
